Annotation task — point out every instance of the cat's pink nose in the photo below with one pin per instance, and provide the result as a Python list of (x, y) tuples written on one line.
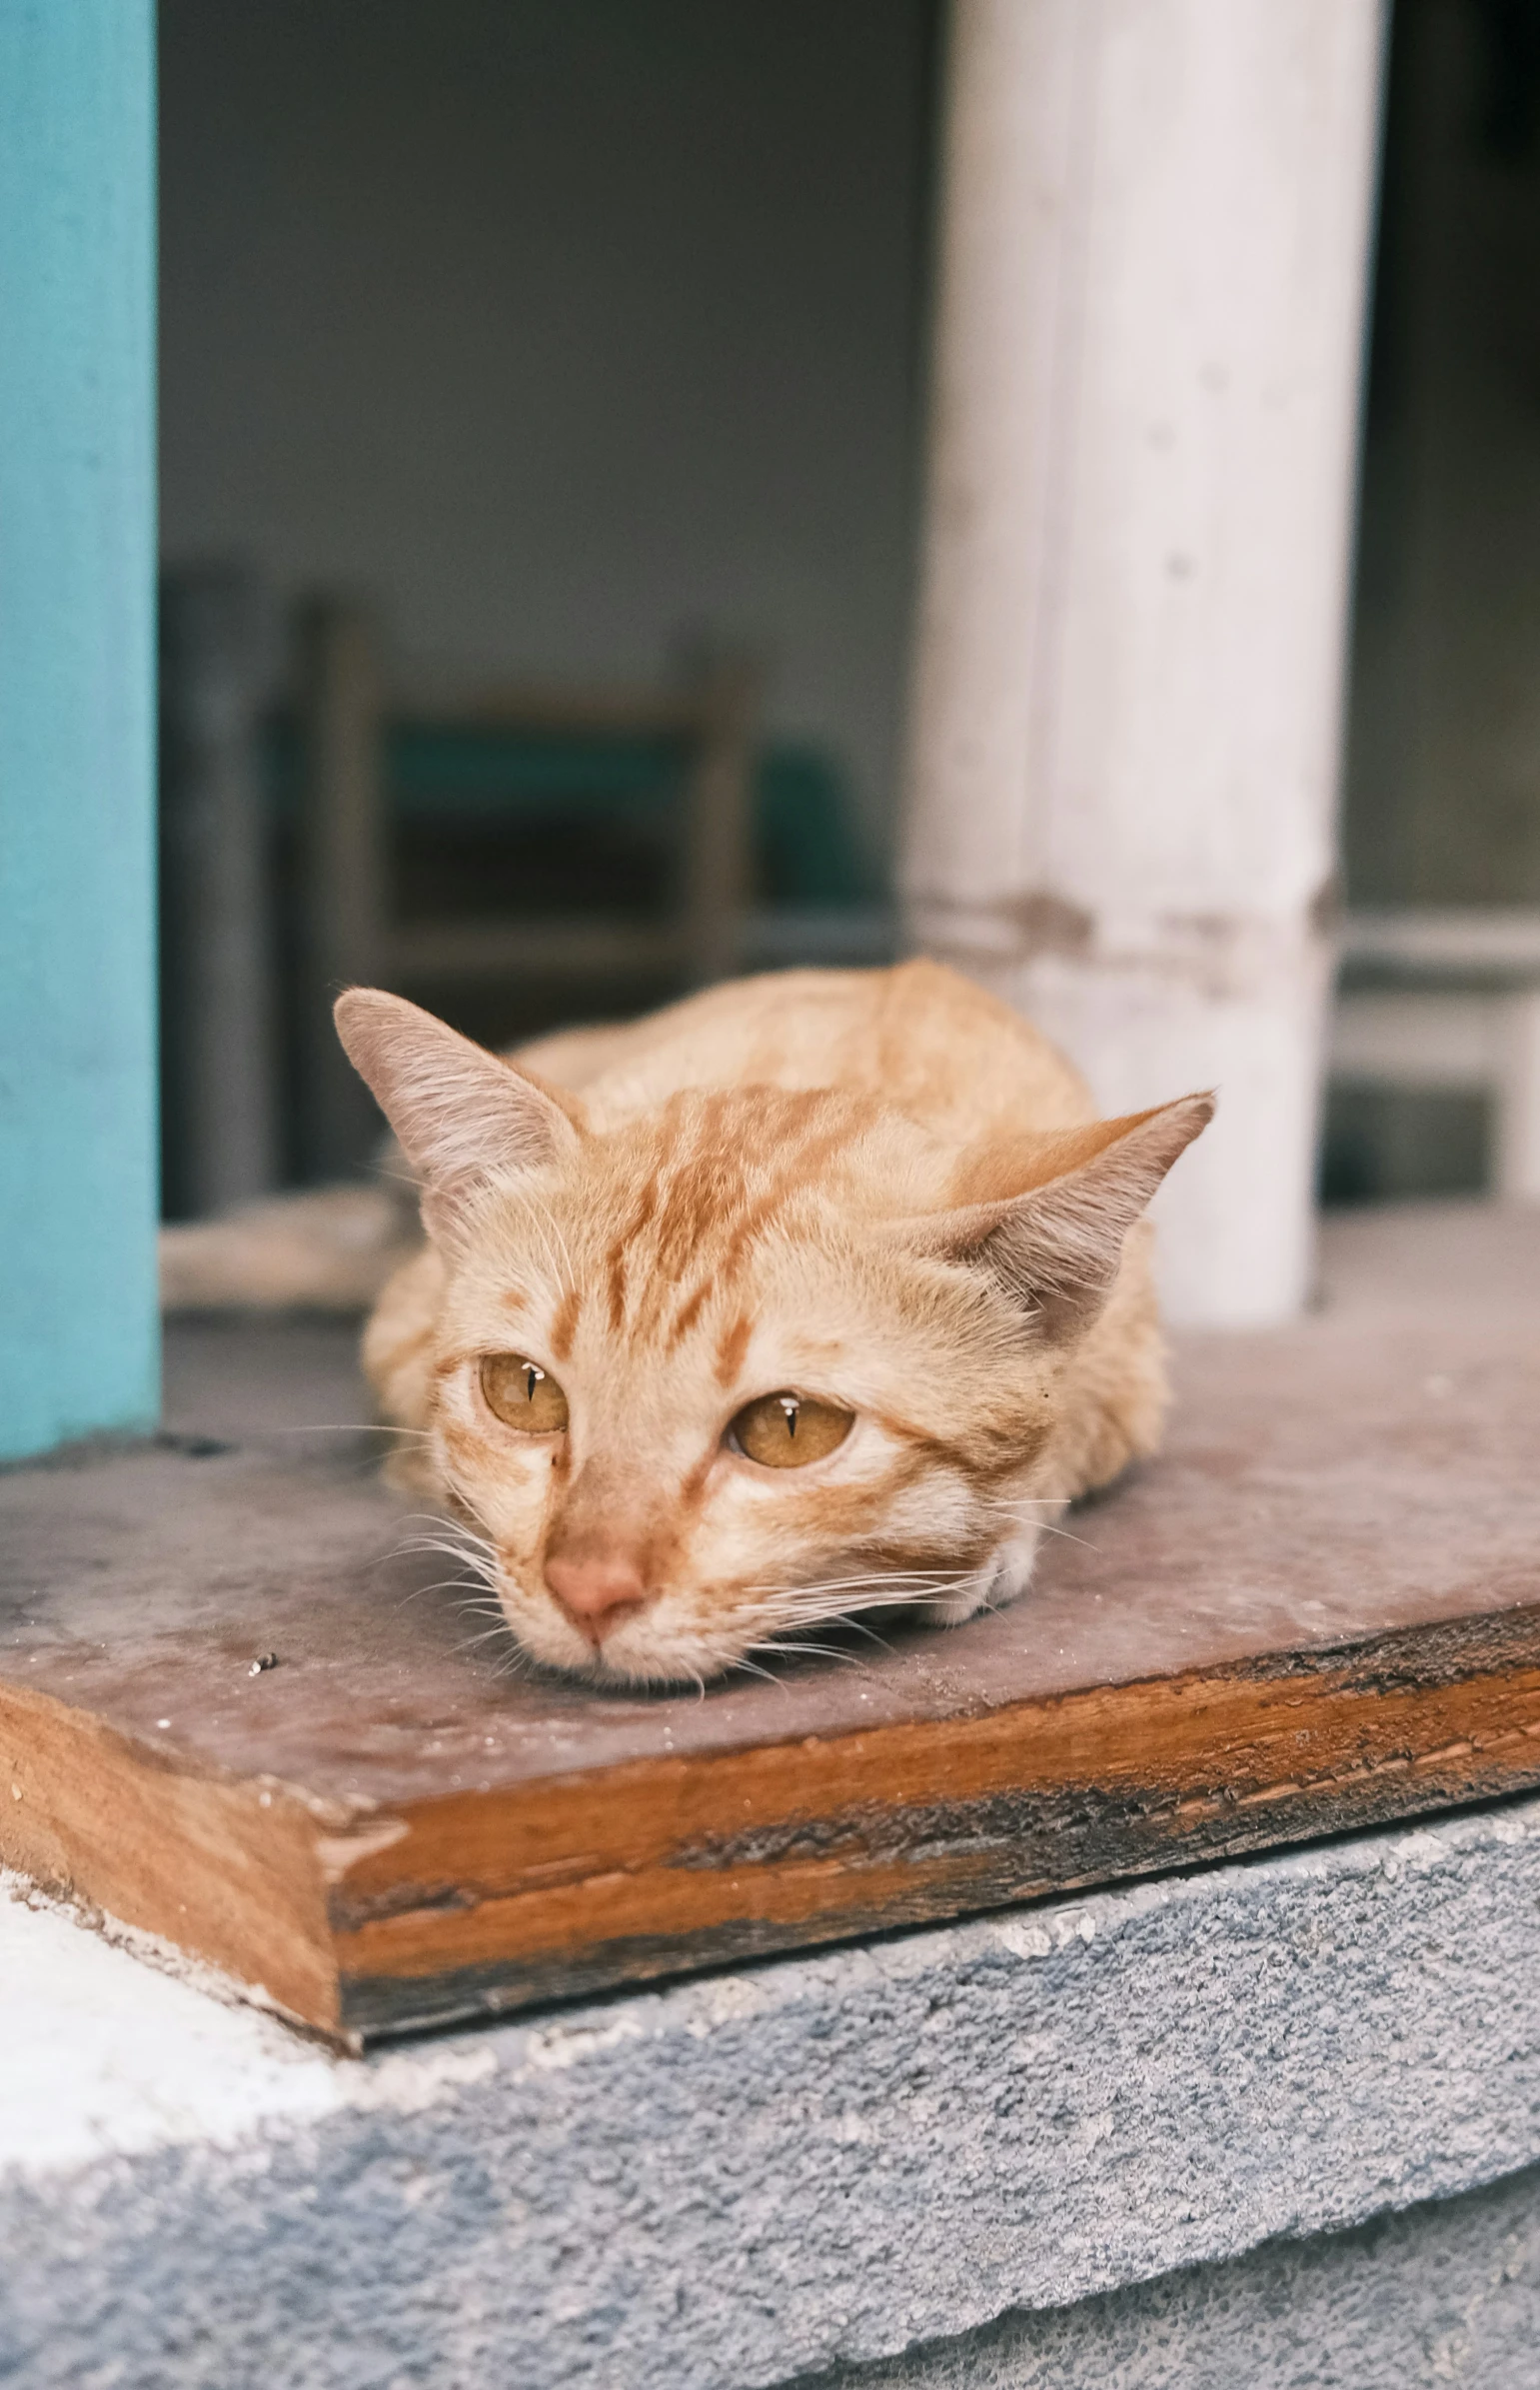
[(596, 1594)]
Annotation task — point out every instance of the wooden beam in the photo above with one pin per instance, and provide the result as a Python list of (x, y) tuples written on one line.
[(343, 869), (219, 1002)]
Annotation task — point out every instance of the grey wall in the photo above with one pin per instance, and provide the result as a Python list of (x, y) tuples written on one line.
[(559, 327)]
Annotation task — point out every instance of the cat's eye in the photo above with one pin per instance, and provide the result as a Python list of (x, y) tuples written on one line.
[(521, 1395), (787, 1431)]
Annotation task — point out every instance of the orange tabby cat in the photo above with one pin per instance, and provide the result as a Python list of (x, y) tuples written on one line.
[(811, 1294)]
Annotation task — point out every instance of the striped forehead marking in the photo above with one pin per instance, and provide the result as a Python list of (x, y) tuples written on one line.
[(720, 1180)]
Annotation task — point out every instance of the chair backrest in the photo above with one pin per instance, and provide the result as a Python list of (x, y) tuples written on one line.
[(352, 928)]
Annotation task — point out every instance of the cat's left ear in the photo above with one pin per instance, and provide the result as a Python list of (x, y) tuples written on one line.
[(463, 1116), (1057, 1248)]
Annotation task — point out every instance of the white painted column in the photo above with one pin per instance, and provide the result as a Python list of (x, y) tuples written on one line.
[(1124, 742)]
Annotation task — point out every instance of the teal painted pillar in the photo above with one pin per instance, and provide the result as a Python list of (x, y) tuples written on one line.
[(79, 1334)]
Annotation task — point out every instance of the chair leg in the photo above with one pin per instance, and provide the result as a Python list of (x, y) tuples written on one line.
[(720, 831), (342, 868), (1518, 1100), (218, 1061)]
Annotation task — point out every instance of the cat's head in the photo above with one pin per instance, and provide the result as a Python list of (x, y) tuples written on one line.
[(748, 1360)]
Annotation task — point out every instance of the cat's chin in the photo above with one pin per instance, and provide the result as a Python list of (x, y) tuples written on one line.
[(636, 1656)]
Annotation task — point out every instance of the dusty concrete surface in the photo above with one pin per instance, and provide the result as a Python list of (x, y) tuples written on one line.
[(818, 2162)]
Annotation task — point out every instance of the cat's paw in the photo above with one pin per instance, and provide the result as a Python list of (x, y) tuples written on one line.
[(1009, 1573), (959, 1608)]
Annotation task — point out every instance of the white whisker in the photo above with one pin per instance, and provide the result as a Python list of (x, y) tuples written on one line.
[(356, 1427), (473, 1642), (1044, 1526), (795, 1645), (861, 1627), (749, 1667)]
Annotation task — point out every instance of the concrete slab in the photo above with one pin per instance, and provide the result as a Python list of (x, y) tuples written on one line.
[(1446, 2293), (812, 2163)]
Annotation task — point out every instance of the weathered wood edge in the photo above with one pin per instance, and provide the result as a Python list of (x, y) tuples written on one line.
[(742, 1855), (226, 1869)]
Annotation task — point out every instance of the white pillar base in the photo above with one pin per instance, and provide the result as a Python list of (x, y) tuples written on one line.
[(1123, 749), (1243, 1013)]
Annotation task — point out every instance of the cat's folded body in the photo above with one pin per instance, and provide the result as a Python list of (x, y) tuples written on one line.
[(811, 1295)]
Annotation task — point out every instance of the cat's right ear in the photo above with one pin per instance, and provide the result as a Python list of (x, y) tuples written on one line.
[(463, 1116), (1057, 1248)]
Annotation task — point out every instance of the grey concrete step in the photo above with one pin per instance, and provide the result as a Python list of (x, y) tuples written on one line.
[(815, 2163)]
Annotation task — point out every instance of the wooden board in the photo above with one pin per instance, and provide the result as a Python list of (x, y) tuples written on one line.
[(1320, 1609)]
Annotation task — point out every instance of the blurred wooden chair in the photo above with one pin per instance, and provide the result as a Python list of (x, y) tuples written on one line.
[(359, 922)]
